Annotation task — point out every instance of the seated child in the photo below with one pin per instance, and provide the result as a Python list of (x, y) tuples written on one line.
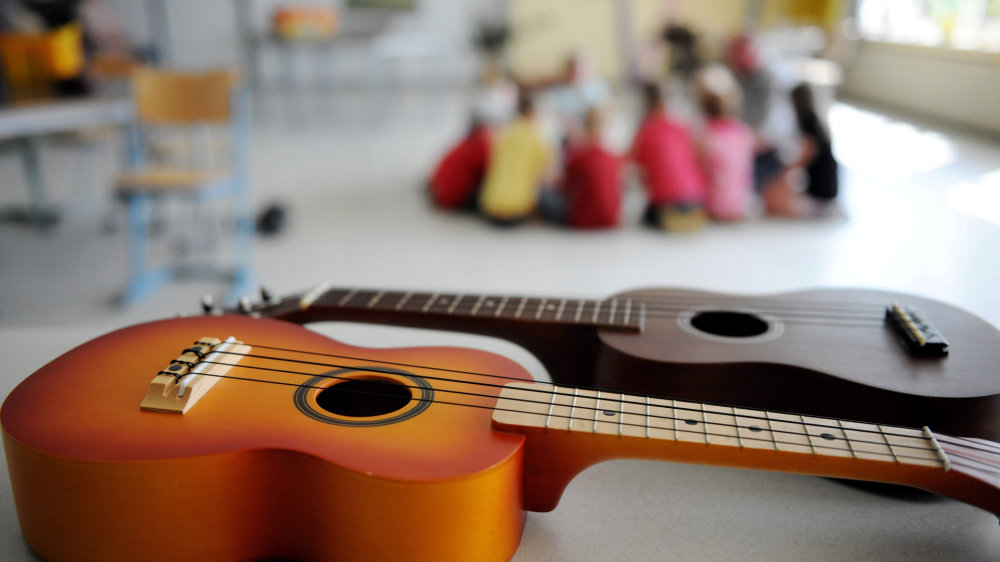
[(591, 192), (665, 155), (808, 187), (456, 181), (727, 149), (518, 166)]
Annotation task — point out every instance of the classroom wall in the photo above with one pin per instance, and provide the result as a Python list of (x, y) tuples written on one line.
[(548, 31)]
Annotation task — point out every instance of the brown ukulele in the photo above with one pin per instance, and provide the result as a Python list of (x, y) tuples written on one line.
[(860, 354), (231, 437)]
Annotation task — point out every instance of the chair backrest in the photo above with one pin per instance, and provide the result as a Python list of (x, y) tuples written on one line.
[(179, 98)]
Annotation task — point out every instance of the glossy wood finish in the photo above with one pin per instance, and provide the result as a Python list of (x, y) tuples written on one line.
[(244, 474), (833, 355)]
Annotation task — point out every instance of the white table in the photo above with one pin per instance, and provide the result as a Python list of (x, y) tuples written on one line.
[(25, 124)]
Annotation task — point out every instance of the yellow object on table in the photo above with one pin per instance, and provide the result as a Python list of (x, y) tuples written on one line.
[(32, 61)]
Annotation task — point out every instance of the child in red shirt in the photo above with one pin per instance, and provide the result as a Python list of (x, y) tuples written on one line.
[(458, 177), (665, 155), (591, 191)]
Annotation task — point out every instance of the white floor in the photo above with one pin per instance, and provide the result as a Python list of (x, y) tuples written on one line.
[(922, 216)]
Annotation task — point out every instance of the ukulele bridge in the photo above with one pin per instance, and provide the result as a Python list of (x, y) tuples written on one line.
[(915, 332), (179, 386)]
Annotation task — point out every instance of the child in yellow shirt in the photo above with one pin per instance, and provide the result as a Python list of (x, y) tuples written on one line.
[(518, 166)]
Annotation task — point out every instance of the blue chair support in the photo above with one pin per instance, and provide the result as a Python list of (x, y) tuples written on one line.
[(147, 184)]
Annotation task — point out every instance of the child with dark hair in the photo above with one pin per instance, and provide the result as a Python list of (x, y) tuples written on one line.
[(666, 159), (809, 186), (727, 148), (518, 167), (458, 177), (591, 193)]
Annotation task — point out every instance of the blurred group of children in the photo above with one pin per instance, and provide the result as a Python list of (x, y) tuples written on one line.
[(509, 174)]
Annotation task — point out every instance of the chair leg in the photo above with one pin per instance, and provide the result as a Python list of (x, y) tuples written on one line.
[(142, 279)]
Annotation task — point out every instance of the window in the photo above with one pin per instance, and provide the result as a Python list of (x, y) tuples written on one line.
[(959, 24)]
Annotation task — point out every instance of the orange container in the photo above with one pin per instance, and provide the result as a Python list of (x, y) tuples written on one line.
[(32, 61)]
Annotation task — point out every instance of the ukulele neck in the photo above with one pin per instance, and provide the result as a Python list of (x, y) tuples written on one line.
[(569, 429), (613, 314)]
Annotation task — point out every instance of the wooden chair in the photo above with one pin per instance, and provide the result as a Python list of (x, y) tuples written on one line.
[(167, 163)]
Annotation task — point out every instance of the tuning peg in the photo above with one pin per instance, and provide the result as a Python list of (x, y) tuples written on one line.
[(207, 304), (244, 305), (267, 296)]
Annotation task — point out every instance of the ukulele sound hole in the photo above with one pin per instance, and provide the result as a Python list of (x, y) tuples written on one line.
[(729, 324), (362, 398)]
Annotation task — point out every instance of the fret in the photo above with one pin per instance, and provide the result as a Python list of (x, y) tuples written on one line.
[(628, 311), (503, 302), (790, 435), (830, 440), (621, 414), (812, 446), (430, 302), (866, 441), (661, 422), (579, 311), (374, 300), (347, 297), (597, 411), (647, 417), (885, 437), (611, 313), (597, 310), (562, 410), (541, 308), (704, 418), (454, 304), (583, 404), (520, 307), (479, 303), (911, 446), (750, 430), (720, 425), (552, 405), (402, 301), (736, 423), (770, 429), (854, 454), (562, 306)]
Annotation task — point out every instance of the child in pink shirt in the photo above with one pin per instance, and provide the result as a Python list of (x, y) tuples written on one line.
[(727, 159)]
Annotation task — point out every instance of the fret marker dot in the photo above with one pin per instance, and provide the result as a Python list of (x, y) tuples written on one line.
[(827, 436), (754, 428), (551, 306), (608, 413), (444, 301), (691, 422), (489, 303)]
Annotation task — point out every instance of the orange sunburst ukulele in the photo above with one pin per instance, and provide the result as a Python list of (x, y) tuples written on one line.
[(156, 442)]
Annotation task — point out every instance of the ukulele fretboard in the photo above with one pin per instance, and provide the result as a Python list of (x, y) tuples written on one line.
[(726, 430), (615, 313)]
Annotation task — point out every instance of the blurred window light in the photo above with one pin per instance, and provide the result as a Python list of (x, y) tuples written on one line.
[(883, 148), (981, 199), (959, 24)]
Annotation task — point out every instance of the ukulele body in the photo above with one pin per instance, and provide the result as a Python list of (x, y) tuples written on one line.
[(248, 472), (824, 352)]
